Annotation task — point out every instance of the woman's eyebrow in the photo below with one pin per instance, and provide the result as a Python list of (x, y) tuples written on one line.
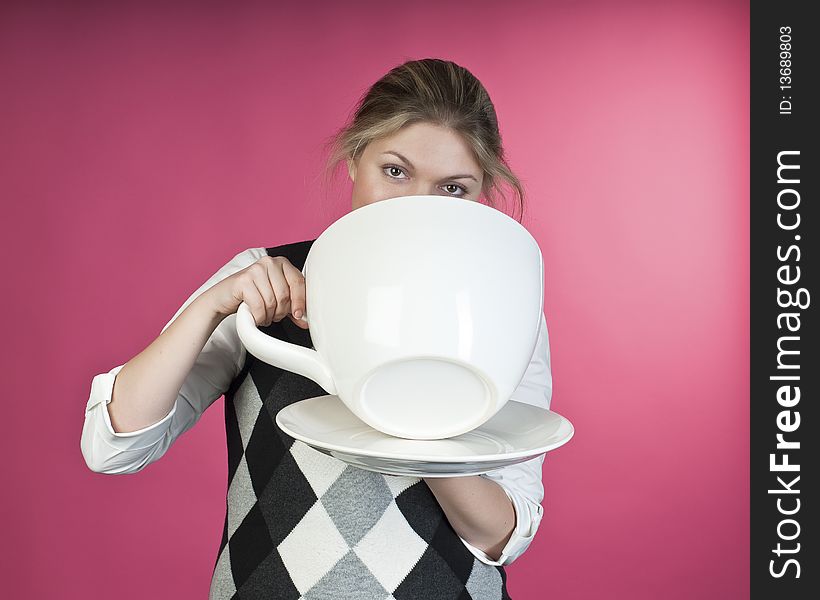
[(466, 176)]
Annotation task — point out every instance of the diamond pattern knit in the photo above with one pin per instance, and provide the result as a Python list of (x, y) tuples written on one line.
[(300, 524)]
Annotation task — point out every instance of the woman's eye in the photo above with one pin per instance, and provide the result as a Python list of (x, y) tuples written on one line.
[(392, 169), (458, 187)]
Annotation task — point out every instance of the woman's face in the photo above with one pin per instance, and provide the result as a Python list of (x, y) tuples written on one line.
[(419, 159)]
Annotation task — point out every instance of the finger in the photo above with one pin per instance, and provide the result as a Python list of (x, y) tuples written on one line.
[(254, 300), (265, 290), (296, 282), (268, 300), (280, 288), (298, 322)]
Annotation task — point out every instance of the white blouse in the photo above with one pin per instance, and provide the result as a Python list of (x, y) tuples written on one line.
[(221, 360)]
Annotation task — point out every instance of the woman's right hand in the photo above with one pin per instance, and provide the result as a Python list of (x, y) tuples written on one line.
[(271, 287)]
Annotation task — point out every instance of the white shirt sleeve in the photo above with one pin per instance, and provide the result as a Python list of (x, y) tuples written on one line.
[(522, 481), (221, 359)]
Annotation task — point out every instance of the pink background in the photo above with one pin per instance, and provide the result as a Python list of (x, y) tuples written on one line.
[(143, 146)]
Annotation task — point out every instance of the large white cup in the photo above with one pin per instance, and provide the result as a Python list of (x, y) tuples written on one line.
[(423, 312)]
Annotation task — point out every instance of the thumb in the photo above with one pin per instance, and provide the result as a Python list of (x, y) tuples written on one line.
[(299, 322)]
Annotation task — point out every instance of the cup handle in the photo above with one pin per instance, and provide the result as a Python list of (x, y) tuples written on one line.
[(285, 355)]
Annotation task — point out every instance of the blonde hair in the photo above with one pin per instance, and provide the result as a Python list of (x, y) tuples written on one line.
[(434, 91)]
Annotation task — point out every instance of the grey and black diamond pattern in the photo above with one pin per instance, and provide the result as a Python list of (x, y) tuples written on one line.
[(303, 525)]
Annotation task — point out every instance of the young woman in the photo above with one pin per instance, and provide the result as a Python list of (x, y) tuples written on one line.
[(299, 523)]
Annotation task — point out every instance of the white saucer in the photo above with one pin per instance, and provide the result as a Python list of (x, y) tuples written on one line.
[(516, 433)]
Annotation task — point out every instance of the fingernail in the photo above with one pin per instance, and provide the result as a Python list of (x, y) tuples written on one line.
[(297, 313)]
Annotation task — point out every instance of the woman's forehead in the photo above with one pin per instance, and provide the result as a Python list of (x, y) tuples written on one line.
[(427, 147)]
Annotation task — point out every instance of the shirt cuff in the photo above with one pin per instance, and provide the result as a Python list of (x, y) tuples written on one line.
[(102, 387), (482, 556), (519, 540)]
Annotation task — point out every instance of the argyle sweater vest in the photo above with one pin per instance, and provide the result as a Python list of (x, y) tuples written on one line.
[(302, 524)]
